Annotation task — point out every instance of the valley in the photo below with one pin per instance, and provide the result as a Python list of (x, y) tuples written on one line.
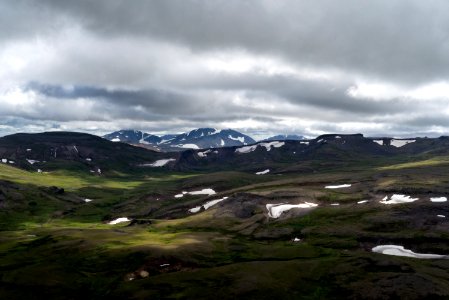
[(217, 224)]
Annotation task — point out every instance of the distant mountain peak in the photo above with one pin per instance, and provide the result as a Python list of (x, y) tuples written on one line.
[(199, 138)]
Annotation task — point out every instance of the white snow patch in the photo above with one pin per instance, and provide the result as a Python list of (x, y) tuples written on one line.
[(222, 143), (338, 137), (39, 170), (28, 150), (296, 240), (159, 163), (398, 199), (213, 202), (207, 205), (263, 172), (119, 220), (380, 142), (268, 146), (241, 139), (363, 201), (5, 161), (189, 146), (203, 192), (438, 199), (400, 143), (11, 162), (164, 265), (246, 149), (304, 143), (204, 153), (32, 161), (401, 251), (195, 209), (335, 204), (441, 216), (337, 186), (87, 200), (76, 149), (115, 140), (89, 159), (275, 210)]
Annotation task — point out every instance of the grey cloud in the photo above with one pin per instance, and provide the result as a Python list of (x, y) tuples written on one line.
[(401, 40)]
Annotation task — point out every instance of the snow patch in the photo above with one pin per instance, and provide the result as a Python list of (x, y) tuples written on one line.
[(87, 200), (304, 143), (263, 172), (32, 161), (401, 251), (400, 143), (380, 142), (189, 146), (363, 201), (275, 210), (5, 161), (441, 216), (201, 192), (159, 163), (268, 146), (398, 199), (438, 199), (204, 153), (207, 205), (119, 220), (335, 204), (337, 186), (296, 240), (241, 139), (115, 139)]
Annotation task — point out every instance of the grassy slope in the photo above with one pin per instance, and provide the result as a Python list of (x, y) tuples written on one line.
[(222, 255)]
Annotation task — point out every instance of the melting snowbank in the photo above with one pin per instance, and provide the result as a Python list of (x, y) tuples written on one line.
[(400, 251), (400, 143), (207, 205), (398, 199), (438, 199), (263, 172), (337, 186), (119, 220), (201, 192), (159, 163), (275, 210), (248, 149)]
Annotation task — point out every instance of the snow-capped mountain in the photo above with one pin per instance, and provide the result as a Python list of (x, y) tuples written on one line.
[(132, 137), (285, 137), (196, 139)]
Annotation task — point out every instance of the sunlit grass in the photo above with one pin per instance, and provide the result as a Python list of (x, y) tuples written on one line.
[(437, 161)]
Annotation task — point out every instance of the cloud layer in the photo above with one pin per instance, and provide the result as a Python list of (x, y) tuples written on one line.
[(264, 67)]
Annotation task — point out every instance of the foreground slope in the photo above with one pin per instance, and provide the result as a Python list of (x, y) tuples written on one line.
[(56, 245)]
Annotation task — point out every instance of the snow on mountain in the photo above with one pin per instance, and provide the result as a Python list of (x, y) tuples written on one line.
[(201, 138), (132, 137)]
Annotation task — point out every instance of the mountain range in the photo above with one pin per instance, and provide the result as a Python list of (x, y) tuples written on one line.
[(201, 138)]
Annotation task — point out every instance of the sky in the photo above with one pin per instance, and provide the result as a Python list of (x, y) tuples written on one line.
[(380, 68)]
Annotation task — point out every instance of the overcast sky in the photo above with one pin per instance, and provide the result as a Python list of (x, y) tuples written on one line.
[(262, 67)]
